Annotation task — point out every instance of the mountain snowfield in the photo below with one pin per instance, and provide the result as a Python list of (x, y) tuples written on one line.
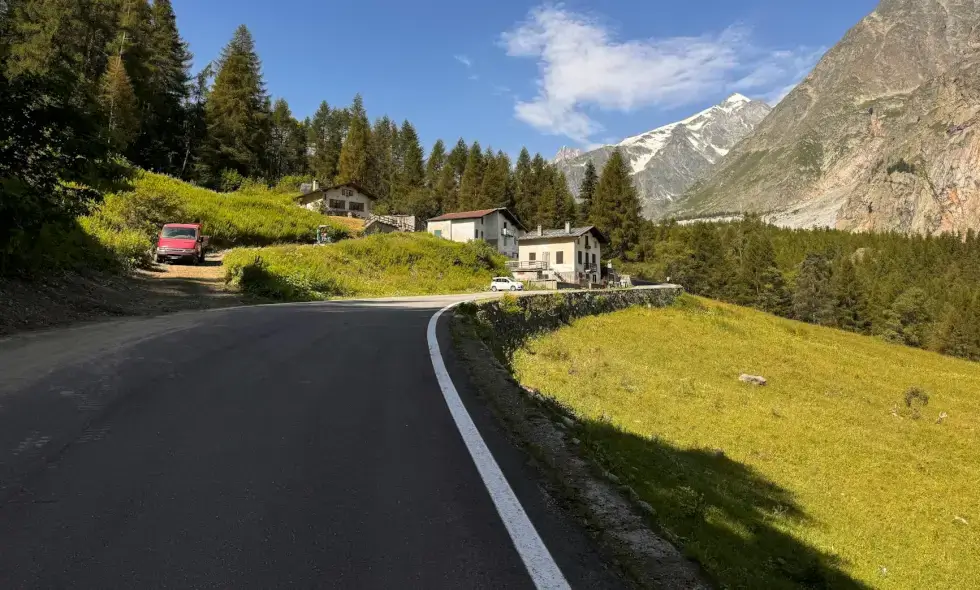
[(669, 159)]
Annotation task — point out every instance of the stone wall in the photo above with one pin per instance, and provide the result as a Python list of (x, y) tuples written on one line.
[(507, 324)]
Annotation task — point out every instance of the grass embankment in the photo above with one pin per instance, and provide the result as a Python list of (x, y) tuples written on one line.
[(835, 475), (127, 222), (376, 266)]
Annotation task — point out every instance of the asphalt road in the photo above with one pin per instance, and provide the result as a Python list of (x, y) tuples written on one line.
[(304, 445)]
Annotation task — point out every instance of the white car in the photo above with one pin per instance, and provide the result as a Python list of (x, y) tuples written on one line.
[(505, 284)]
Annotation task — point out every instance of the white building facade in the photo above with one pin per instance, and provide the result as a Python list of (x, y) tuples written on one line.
[(346, 200), (570, 255), (498, 227)]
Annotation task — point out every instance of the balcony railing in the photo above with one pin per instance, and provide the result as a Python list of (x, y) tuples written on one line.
[(527, 265)]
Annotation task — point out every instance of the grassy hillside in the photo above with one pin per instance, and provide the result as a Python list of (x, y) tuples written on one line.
[(127, 222), (376, 266), (857, 465)]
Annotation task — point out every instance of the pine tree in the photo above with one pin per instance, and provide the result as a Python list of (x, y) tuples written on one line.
[(327, 131), (119, 105), (353, 163), (383, 162), (615, 208), (164, 103), (496, 179), (813, 299), (411, 173), (287, 143), (237, 111), (472, 181), (195, 127), (587, 192), (452, 174), (908, 319), (525, 205), (703, 273), (759, 282), (849, 297), (435, 163)]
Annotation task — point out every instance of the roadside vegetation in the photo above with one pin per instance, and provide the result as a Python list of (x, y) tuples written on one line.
[(126, 223), (376, 266), (855, 467)]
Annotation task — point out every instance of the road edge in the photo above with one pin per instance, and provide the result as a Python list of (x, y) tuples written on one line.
[(541, 566)]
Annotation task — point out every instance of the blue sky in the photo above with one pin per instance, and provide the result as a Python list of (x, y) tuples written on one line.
[(511, 73)]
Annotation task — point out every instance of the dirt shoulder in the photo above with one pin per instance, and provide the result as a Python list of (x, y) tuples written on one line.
[(610, 511), (70, 298)]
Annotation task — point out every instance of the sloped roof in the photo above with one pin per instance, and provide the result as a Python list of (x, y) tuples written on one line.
[(318, 193), (478, 214), (550, 234)]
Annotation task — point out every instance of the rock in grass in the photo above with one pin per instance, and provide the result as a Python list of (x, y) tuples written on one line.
[(646, 508), (753, 380), (568, 422)]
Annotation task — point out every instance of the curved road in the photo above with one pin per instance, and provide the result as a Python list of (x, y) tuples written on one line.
[(299, 445)]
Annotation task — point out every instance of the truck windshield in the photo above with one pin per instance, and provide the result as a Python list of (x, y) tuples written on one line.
[(184, 233)]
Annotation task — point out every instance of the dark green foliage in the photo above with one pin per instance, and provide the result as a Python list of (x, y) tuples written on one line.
[(615, 209), (813, 299), (326, 134), (914, 290), (586, 193), (471, 182), (286, 152), (353, 164), (237, 111)]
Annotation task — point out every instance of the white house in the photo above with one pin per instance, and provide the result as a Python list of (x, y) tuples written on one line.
[(348, 199), (568, 255), (498, 227)]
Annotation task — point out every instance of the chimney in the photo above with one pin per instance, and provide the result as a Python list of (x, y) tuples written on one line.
[(540, 231), (314, 185), (568, 227)]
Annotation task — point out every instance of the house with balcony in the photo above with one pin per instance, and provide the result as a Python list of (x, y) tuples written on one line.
[(349, 199), (570, 255), (498, 227)]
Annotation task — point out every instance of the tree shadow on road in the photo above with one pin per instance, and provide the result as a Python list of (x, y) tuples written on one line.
[(720, 512)]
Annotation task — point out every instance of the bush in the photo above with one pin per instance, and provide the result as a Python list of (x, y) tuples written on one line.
[(376, 266)]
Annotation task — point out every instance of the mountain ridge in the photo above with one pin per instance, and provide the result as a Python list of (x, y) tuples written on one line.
[(667, 160), (866, 141)]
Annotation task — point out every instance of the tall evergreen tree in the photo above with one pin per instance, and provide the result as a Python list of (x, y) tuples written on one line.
[(615, 208), (353, 162), (166, 95), (758, 281), (586, 193), (849, 297), (194, 130), (472, 181), (435, 163), (287, 143), (496, 180), (525, 205), (908, 318), (452, 174), (119, 105), (237, 111), (327, 131), (411, 173), (384, 156), (813, 300)]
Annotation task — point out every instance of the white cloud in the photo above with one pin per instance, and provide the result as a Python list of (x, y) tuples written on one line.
[(582, 67), (464, 60)]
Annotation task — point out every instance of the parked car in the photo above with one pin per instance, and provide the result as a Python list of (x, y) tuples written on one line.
[(505, 284), (181, 242)]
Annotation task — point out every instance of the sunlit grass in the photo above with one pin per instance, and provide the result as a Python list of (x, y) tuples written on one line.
[(827, 468)]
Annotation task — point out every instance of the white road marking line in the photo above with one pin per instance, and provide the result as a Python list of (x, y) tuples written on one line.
[(541, 566)]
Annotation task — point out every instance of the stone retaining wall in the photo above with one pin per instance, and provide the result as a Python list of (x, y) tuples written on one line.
[(507, 324)]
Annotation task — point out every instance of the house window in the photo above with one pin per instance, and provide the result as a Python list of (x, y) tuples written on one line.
[(338, 204), (505, 225), (560, 257), (580, 257), (347, 192), (532, 256), (438, 233), (593, 259), (355, 206), (586, 241)]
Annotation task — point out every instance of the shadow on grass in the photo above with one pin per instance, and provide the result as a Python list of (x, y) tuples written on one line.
[(720, 512)]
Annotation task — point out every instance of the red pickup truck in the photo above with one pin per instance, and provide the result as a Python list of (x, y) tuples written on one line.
[(181, 242)]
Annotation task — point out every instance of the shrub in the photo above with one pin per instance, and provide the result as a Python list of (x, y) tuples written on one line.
[(376, 266), (916, 400)]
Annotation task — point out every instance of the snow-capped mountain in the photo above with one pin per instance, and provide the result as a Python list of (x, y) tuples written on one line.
[(668, 160)]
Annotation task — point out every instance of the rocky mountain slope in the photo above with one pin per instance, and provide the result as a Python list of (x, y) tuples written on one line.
[(668, 160), (884, 134)]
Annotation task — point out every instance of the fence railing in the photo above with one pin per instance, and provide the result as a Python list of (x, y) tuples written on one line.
[(527, 265)]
